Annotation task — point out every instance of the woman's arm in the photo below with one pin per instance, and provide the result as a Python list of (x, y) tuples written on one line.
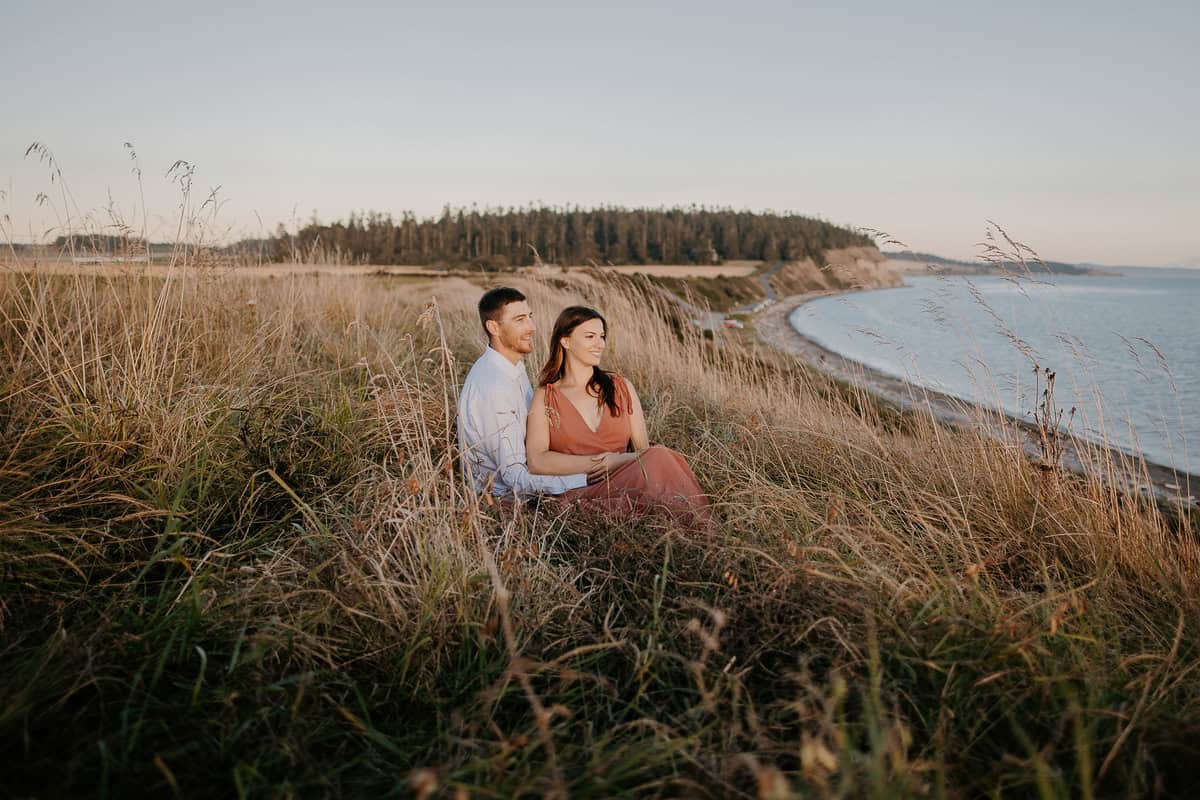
[(637, 421), (610, 462), (543, 460)]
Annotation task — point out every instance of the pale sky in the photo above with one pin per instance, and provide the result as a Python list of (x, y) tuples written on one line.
[(1072, 124)]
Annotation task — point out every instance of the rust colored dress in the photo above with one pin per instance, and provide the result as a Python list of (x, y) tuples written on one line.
[(658, 480)]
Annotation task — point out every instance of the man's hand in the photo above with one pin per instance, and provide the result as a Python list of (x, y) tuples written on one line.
[(604, 463)]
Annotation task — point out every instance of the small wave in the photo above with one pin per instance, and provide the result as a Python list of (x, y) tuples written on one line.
[(1057, 289), (940, 336)]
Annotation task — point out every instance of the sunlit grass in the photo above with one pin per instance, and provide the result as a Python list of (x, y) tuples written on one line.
[(235, 557)]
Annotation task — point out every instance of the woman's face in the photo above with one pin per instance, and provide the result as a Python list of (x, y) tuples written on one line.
[(586, 343)]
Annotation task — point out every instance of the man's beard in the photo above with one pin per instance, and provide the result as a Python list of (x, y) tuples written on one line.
[(520, 345)]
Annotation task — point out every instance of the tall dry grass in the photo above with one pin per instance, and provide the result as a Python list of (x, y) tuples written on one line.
[(236, 557)]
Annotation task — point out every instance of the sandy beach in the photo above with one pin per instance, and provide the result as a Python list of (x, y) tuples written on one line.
[(1167, 484)]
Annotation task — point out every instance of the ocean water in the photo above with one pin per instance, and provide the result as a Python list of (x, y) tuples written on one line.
[(1125, 349)]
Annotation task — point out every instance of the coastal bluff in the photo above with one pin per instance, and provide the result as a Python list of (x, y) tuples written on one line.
[(842, 269)]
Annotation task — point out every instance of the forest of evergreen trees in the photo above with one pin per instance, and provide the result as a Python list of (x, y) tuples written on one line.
[(499, 238)]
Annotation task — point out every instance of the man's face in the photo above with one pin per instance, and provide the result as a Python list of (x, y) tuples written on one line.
[(513, 331)]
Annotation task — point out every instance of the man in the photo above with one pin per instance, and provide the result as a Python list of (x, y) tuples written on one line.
[(494, 405)]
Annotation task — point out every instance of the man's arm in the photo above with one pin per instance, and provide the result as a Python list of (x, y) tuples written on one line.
[(500, 439)]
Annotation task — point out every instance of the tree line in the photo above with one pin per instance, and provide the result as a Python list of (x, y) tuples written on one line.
[(508, 237)]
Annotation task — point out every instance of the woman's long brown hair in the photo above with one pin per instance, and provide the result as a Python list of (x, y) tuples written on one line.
[(601, 383)]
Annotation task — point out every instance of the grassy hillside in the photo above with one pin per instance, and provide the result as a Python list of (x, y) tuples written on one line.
[(235, 558), (836, 269), (720, 293)]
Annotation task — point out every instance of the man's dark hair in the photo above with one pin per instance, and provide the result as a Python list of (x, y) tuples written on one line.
[(493, 302)]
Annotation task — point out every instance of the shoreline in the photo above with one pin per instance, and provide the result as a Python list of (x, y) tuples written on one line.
[(1166, 485)]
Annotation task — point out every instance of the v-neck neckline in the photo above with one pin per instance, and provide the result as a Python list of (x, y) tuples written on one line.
[(594, 431)]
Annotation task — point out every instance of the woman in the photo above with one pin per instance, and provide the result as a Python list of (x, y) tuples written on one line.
[(585, 419)]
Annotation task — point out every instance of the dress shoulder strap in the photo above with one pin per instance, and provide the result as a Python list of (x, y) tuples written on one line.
[(623, 397), (551, 405)]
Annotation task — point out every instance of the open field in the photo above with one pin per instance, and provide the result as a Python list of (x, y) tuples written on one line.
[(730, 269), (236, 559), (64, 266)]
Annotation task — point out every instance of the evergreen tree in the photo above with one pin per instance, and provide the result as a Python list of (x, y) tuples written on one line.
[(500, 237)]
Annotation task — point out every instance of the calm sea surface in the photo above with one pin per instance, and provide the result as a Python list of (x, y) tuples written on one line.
[(1126, 349)]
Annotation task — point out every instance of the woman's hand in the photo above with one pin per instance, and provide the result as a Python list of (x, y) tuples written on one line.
[(605, 463)]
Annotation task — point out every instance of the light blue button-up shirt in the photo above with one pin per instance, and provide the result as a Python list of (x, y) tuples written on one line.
[(492, 410)]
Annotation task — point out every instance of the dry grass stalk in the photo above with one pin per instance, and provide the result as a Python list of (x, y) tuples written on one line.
[(259, 475)]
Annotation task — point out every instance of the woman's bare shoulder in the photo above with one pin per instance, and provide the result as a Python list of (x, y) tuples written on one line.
[(621, 379)]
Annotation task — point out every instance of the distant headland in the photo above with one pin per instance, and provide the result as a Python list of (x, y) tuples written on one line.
[(1032, 264)]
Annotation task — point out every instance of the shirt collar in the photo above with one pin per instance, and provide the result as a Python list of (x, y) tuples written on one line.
[(507, 367)]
